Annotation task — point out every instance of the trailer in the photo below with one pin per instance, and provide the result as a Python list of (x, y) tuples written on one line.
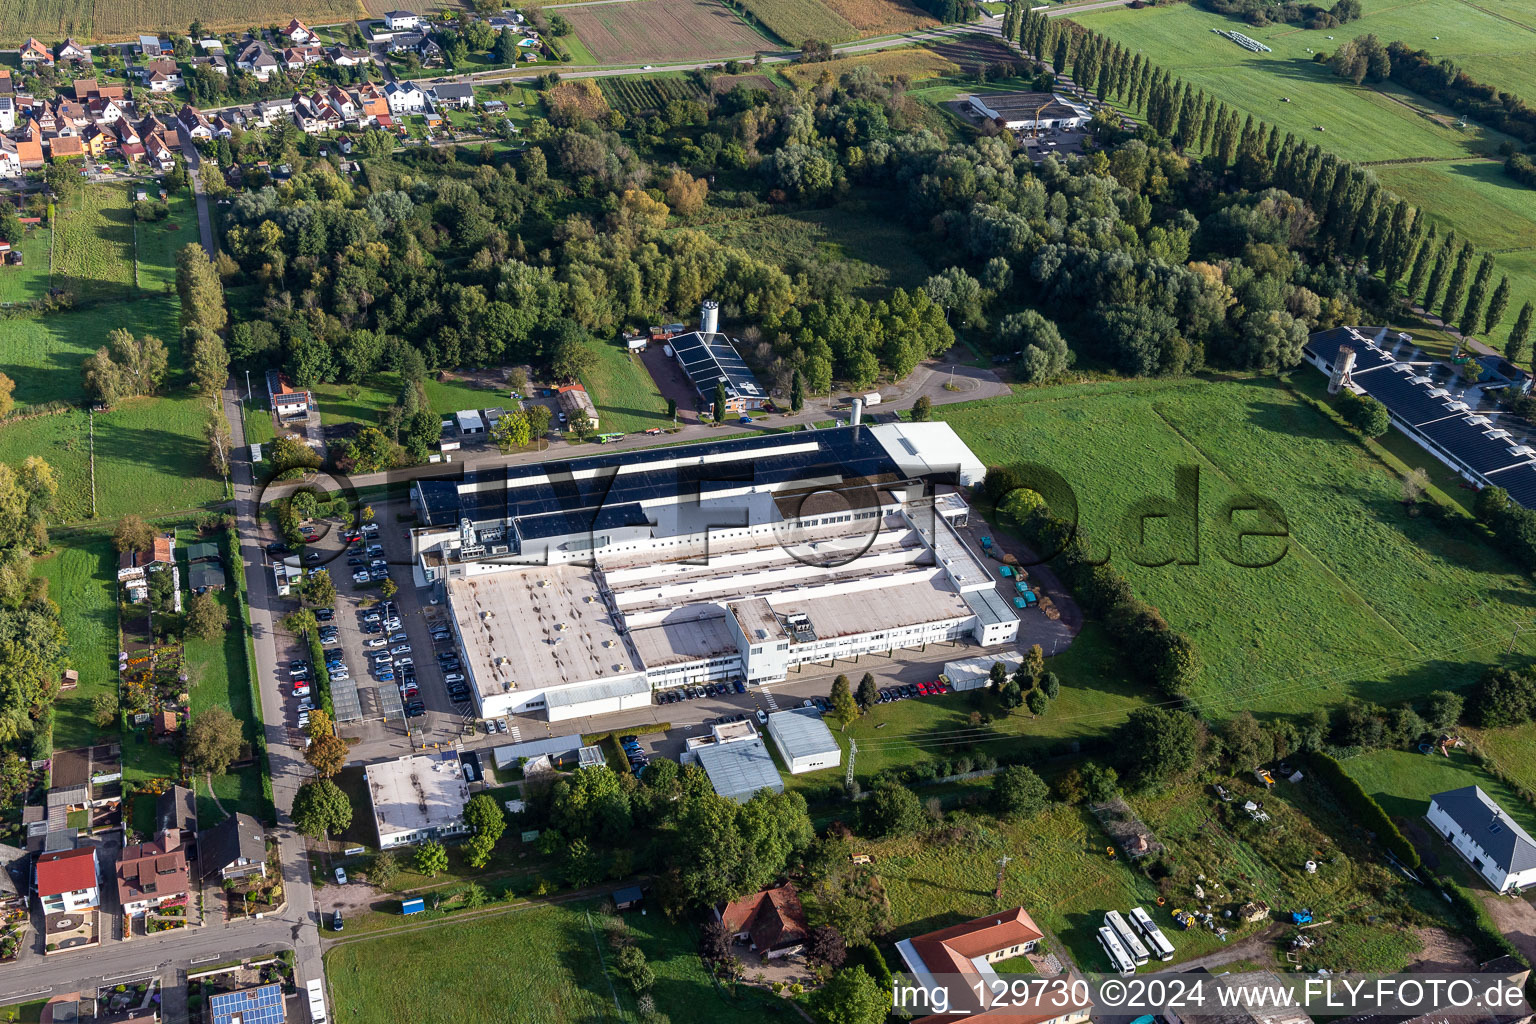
[(1156, 941), (315, 989), (1118, 958), (873, 398), (1129, 940), (414, 905)]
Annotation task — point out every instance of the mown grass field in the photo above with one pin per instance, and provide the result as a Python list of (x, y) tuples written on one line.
[(93, 245), (82, 578), (661, 30), (1513, 749), (1402, 781), (548, 961), (1463, 188), (622, 389), (30, 280), (122, 19), (1095, 697), (1409, 606), (159, 241), (220, 677), (379, 391)]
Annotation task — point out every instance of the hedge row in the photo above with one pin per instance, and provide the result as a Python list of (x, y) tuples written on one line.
[(322, 675), (1368, 812), (243, 616)]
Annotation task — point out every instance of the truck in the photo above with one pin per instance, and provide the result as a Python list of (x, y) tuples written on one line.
[(873, 398)]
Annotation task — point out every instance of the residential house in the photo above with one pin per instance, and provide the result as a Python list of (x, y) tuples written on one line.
[(105, 110), (342, 102), (405, 42), (234, 848), (1484, 833), (66, 147), (298, 32), (315, 114), (7, 84), (13, 878), (133, 567), (149, 874), (346, 57), (217, 62), (255, 58), (210, 45), (177, 808), (97, 142), (285, 400), (65, 880), (161, 75), (30, 148), (149, 47), (194, 122), (405, 98), (452, 96), (261, 1005), (10, 159), (70, 114), (429, 52), (969, 950), (71, 50), (224, 126), (34, 52), (88, 89), (270, 112), (399, 21), (372, 105), (772, 922), (7, 114)]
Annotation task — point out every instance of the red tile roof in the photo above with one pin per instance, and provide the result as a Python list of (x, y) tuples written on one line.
[(147, 870), (951, 950), (772, 918), (66, 871)]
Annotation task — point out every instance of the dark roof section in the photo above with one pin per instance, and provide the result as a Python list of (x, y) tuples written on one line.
[(575, 495), (228, 841), (708, 357), (177, 808), (1424, 409)]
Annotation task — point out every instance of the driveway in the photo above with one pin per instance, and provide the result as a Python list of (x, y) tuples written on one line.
[(1516, 918)]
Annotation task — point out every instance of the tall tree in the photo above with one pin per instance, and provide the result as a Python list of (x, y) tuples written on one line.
[(321, 809), (1519, 336), (1477, 295), (1443, 260), (1421, 262), (1497, 305), (1456, 288), (214, 740), (201, 291)]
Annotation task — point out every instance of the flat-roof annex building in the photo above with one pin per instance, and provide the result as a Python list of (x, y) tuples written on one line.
[(804, 741), (417, 797), (579, 586)]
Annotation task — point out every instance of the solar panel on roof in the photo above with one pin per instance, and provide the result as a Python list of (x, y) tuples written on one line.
[(262, 1005)]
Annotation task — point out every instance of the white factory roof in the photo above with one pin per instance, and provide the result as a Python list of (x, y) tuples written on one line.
[(626, 686), (923, 448), (801, 733), (417, 792), (545, 626)]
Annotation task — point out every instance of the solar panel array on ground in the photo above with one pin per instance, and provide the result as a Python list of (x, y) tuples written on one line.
[(589, 493)]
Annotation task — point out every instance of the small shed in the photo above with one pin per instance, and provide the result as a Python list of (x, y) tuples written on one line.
[(469, 422), (628, 898)]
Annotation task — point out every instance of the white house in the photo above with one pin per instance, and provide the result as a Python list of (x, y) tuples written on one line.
[(401, 21), (7, 114), (453, 96), (298, 31), (66, 880), (1490, 840), (405, 98)]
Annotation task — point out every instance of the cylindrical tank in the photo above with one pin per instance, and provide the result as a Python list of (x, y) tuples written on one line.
[(857, 416), (709, 317)]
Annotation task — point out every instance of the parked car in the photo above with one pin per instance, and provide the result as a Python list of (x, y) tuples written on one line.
[(371, 616), (341, 876), (400, 649), (454, 677), (762, 718), (415, 709), (740, 686), (354, 560), (360, 577), (324, 614), (501, 725), (398, 638), (377, 641), (336, 920)]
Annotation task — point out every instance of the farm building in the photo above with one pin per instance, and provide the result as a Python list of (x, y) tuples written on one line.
[(650, 615), (710, 359), (417, 797), (1482, 832), (574, 403), (1031, 111), (1364, 361), (804, 741)]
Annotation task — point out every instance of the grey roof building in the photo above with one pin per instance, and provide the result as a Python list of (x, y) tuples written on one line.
[(1484, 833), (740, 768), (234, 848), (804, 741)]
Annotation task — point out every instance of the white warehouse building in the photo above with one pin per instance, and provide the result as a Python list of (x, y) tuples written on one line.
[(578, 587), (804, 741)]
